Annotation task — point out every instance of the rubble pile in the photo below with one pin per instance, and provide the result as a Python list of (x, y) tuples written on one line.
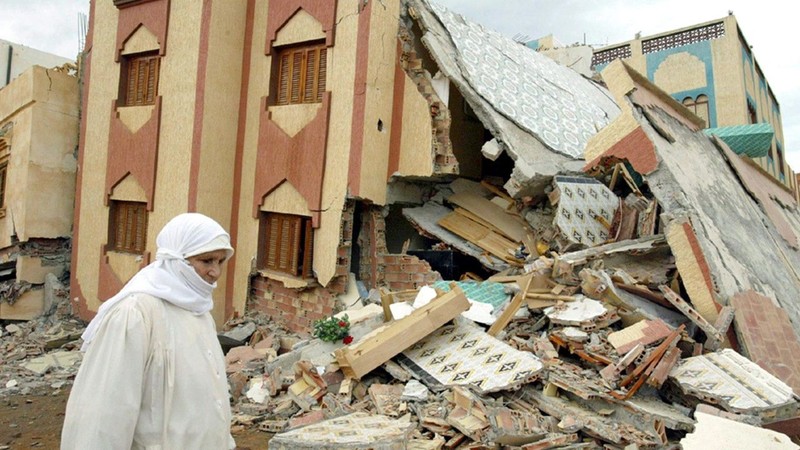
[(588, 337)]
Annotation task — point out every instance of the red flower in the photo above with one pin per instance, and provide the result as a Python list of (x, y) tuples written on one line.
[(342, 323), (347, 339)]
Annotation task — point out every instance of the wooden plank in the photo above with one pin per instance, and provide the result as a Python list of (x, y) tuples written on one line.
[(387, 341), (494, 190), (507, 224), (481, 236), (511, 308)]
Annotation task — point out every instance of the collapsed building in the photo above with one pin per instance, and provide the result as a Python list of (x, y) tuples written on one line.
[(38, 142), (362, 152)]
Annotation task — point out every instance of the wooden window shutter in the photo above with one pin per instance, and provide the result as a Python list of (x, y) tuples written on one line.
[(287, 244), (128, 227), (322, 73), (141, 79), (283, 80), (308, 245), (297, 72), (301, 75), (309, 76)]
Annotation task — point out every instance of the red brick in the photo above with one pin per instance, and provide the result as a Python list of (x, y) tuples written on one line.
[(396, 277)]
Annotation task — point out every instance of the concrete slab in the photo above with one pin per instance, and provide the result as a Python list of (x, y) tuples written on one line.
[(357, 431), (732, 435), (463, 354), (734, 382)]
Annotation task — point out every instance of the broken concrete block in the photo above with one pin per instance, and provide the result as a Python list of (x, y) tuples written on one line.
[(511, 427), (732, 435), (414, 390), (384, 343), (386, 398), (463, 354), (585, 313), (357, 431), (309, 387), (241, 332), (237, 358), (713, 336), (54, 360), (469, 414), (607, 428), (732, 381), (258, 392), (305, 419)]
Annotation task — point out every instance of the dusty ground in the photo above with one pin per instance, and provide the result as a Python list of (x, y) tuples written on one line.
[(34, 421)]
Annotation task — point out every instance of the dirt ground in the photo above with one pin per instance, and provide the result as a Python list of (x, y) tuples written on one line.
[(34, 421)]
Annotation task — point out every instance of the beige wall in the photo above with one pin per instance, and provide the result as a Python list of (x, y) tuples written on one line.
[(40, 107)]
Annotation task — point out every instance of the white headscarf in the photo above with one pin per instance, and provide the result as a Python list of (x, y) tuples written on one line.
[(170, 277)]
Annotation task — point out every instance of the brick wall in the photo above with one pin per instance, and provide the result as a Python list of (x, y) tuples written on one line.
[(296, 309), (381, 268), (401, 272)]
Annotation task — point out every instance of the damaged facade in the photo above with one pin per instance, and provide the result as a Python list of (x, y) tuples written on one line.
[(306, 206), (38, 143), (360, 152)]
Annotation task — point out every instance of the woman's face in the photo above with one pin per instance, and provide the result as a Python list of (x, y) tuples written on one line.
[(208, 265)]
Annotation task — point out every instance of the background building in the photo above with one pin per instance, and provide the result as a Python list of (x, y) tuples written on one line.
[(711, 69), (17, 58), (38, 145)]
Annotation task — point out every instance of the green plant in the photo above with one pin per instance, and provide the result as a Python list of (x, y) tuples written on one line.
[(332, 329)]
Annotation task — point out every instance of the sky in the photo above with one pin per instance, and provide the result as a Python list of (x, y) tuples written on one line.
[(52, 26)]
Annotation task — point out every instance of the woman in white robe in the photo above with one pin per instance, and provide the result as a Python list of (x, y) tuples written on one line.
[(153, 376)]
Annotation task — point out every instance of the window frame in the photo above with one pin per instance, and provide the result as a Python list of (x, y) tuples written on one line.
[(133, 237), (132, 90), (695, 104), (296, 83), (286, 244), (3, 179)]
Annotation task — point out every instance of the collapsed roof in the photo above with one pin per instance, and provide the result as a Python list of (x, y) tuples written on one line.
[(540, 113)]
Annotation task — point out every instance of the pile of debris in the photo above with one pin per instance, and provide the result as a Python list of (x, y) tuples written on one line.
[(569, 351)]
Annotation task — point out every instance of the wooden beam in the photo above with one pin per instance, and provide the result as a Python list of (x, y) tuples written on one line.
[(511, 308), (387, 341)]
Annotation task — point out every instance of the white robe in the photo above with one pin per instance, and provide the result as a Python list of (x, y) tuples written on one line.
[(153, 378)]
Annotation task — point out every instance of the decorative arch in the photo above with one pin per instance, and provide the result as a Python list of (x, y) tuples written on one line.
[(681, 72), (153, 14), (279, 13)]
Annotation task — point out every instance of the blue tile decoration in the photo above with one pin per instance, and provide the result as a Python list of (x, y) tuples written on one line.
[(489, 292)]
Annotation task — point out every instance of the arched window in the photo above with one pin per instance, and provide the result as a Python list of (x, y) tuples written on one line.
[(699, 106)]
